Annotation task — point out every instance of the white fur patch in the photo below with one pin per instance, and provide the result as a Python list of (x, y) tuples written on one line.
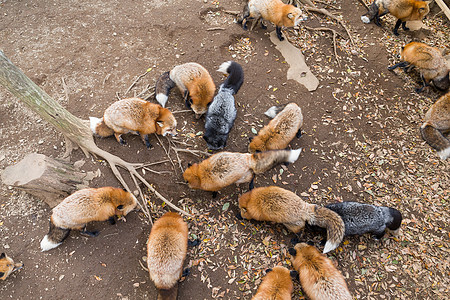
[(444, 154), (365, 19), (47, 244), (162, 99), (293, 156), (395, 232), (94, 123), (224, 67), (271, 112), (329, 246)]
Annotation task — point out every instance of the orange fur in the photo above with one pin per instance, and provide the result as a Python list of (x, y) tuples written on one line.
[(275, 11), (195, 79), (280, 131), (318, 276), (7, 266), (276, 285), (166, 251), (405, 10), (93, 204)]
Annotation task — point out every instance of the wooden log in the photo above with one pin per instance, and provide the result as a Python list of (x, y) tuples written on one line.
[(444, 8), (48, 179)]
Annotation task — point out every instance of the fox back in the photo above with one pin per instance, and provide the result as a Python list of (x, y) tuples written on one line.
[(276, 12), (276, 285)]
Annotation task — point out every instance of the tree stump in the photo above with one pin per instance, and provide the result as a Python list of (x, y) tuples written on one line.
[(48, 179)]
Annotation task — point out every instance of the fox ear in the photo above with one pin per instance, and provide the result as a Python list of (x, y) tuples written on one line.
[(1, 274), (268, 270), (290, 15), (189, 164), (160, 124), (292, 251), (2, 255), (294, 274)]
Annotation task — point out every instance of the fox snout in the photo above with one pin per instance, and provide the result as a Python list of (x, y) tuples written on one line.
[(170, 132)]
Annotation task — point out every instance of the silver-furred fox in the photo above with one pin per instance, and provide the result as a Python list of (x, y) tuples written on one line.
[(319, 277), (136, 116), (403, 10), (166, 250), (282, 206), (225, 168), (286, 124), (84, 206), (274, 11), (7, 266), (437, 125), (193, 81), (222, 111), (276, 285)]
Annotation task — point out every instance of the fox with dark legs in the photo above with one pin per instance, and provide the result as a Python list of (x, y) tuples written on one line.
[(437, 126), (282, 206), (166, 251), (319, 277), (276, 285), (7, 266), (222, 111), (84, 206), (429, 61), (193, 81), (403, 10), (286, 124), (225, 168)]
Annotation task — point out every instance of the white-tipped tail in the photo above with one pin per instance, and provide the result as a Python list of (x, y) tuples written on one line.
[(444, 154), (47, 244), (272, 112), (224, 67), (162, 99), (329, 246), (94, 123), (365, 19), (293, 156)]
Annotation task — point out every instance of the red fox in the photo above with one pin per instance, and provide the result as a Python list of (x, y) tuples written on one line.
[(318, 276), (194, 82), (84, 206), (403, 10), (225, 168), (137, 116), (274, 11), (430, 62), (276, 285), (282, 206), (280, 131), (166, 251), (7, 266), (437, 123)]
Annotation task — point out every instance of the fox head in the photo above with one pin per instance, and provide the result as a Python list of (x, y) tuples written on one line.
[(7, 266), (200, 97), (256, 145), (249, 207), (292, 16), (422, 9), (123, 201), (166, 124), (192, 176), (301, 252)]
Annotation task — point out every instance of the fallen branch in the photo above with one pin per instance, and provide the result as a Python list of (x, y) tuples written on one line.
[(194, 152), (215, 28), (137, 79), (334, 39), (231, 12)]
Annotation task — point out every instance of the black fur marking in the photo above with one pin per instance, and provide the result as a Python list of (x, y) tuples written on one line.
[(250, 139), (397, 26), (279, 34), (397, 219), (239, 216), (404, 26), (57, 234), (147, 142), (263, 26), (294, 275), (251, 186), (214, 194), (2, 255), (187, 101), (419, 90), (189, 164), (323, 242), (292, 251), (299, 133), (122, 141), (402, 64), (295, 241), (89, 233), (193, 243), (112, 220), (186, 272), (379, 235), (268, 270), (164, 84), (2, 274), (310, 243)]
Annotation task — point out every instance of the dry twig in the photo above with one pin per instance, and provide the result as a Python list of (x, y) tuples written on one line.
[(137, 79), (334, 39)]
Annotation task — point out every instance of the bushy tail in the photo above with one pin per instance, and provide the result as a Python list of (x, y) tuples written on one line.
[(371, 14), (99, 127), (264, 161), (163, 86), (235, 77), (274, 110), (326, 218), (435, 139), (170, 294), (54, 237)]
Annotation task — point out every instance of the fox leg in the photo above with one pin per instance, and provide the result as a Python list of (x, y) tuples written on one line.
[(299, 133), (193, 243), (245, 15), (112, 220), (119, 138), (402, 64), (397, 26), (89, 233), (279, 34), (424, 82), (251, 186), (379, 235), (404, 26), (263, 26), (186, 99), (146, 140)]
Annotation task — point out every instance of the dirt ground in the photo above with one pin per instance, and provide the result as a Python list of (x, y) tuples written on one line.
[(360, 143)]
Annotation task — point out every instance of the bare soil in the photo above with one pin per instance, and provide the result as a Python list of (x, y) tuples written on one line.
[(360, 143)]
